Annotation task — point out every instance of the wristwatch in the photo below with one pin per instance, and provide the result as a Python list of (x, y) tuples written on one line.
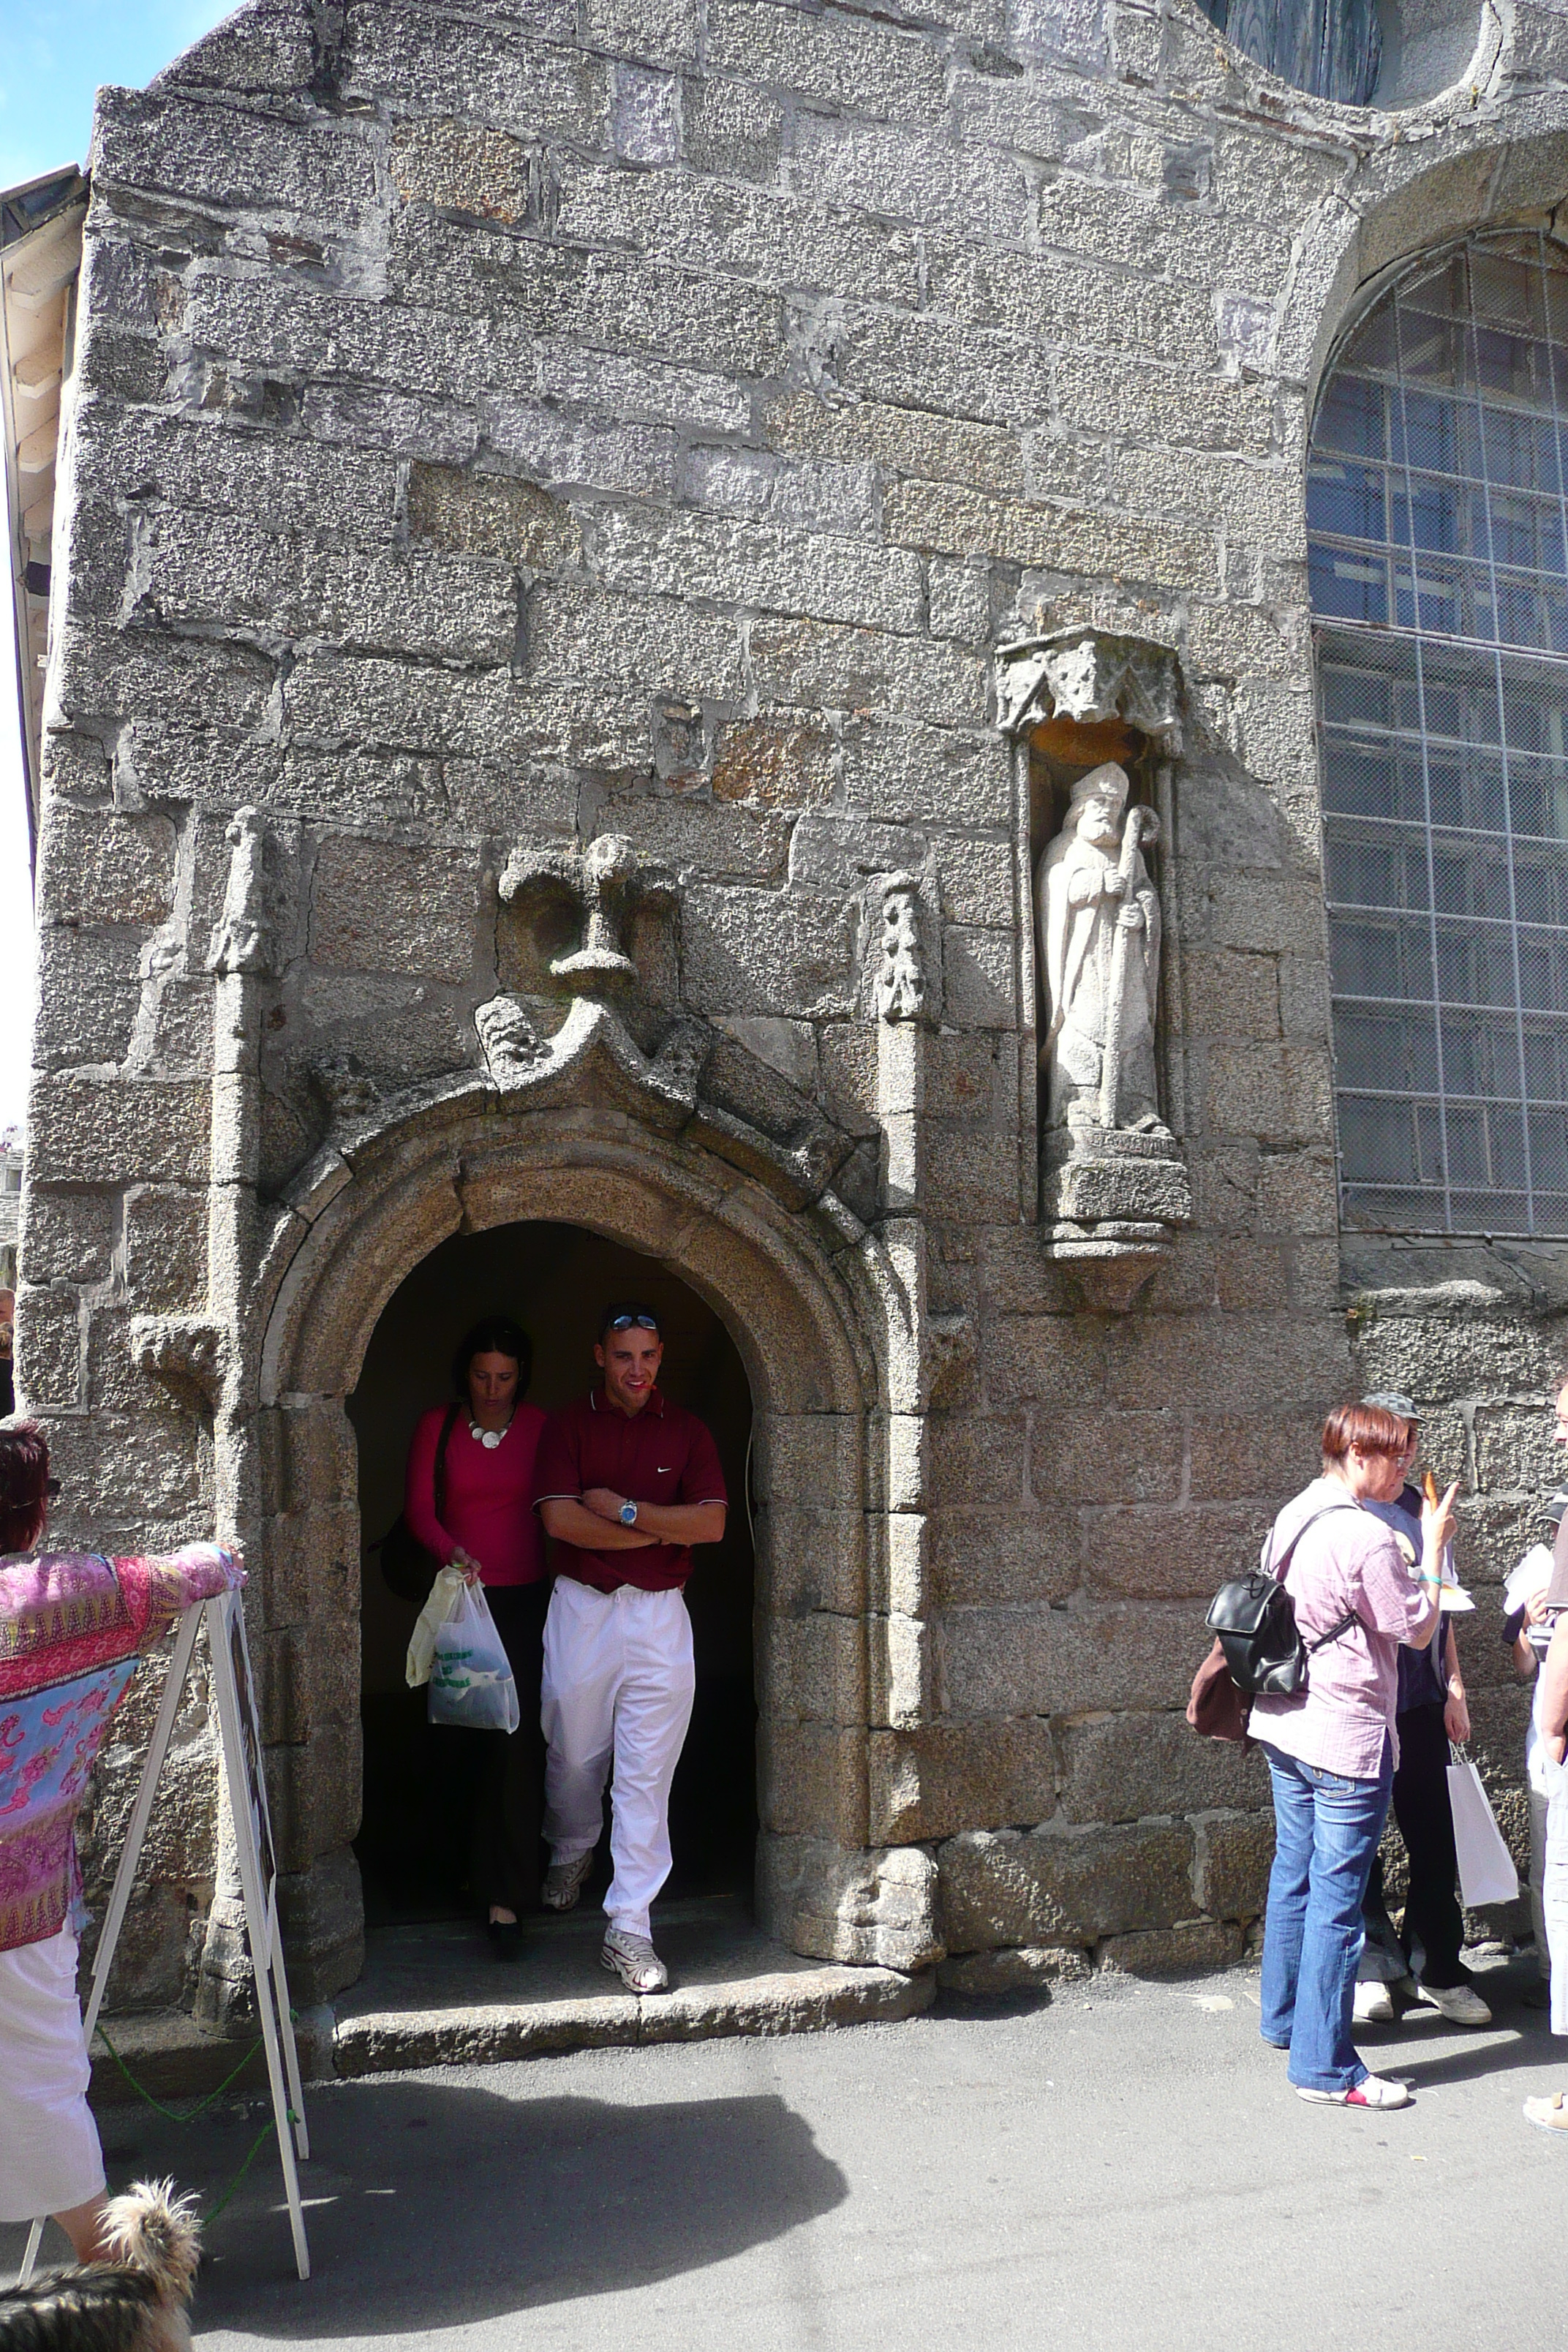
[(628, 1514)]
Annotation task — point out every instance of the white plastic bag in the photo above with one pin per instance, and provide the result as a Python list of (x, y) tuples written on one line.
[(1487, 1874), (444, 1595), (470, 1681)]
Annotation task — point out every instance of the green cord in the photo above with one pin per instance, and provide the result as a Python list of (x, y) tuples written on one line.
[(156, 2105), (210, 2216)]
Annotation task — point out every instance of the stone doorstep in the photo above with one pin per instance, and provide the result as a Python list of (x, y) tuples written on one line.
[(435, 1996)]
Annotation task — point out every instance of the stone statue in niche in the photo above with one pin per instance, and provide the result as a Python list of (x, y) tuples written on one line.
[(901, 985), (1098, 922)]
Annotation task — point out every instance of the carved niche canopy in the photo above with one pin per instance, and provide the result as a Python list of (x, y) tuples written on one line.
[(1090, 678)]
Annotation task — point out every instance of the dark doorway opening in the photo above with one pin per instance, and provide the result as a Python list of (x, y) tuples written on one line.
[(553, 1279)]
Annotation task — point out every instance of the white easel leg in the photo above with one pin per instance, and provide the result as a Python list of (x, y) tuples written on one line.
[(34, 2240), (272, 1986)]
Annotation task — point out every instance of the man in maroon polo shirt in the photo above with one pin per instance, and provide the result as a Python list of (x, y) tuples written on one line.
[(627, 1483)]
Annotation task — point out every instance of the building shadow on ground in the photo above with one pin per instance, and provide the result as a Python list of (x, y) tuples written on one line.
[(433, 2204)]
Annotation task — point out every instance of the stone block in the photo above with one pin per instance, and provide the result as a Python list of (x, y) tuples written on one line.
[(1282, 1094), (479, 514), (1262, 1454), (96, 868), (1237, 1363), (704, 838), (811, 1781), (67, 1237), (950, 1777), (811, 1668), (756, 237), (875, 1909), (639, 29), (50, 1350), (218, 570), (1028, 1968), (945, 520), (462, 167), (1451, 1352), (586, 640), (1195, 1947), (1105, 1457), (1085, 1654), (128, 1482), (899, 440), (979, 1459), (762, 952), (773, 762), (1296, 1193), (622, 385), (1515, 1446), (1053, 1885), (731, 127), (864, 67), (1173, 1554), (759, 565), (88, 992), (377, 908), (1230, 995), (980, 1557), (1234, 1854), (495, 73), (1043, 1360), (123, 1131), (979, 977), (897, 169), (323, 172), (797, 493), (1122, 1768), (915, 774), (815, 1555)]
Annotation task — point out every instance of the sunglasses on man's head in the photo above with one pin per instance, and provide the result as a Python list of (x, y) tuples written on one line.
[(625, 1322)]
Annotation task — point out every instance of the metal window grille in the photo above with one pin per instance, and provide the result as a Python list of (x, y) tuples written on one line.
[(1437, 521)]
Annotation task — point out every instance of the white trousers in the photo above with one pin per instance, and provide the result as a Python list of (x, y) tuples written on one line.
[(50, 2160), (617, 1690)]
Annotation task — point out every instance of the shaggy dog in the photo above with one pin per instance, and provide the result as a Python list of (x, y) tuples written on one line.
[(133, 2302)]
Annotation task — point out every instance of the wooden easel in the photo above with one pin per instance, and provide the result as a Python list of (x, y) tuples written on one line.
[(240, 1744)]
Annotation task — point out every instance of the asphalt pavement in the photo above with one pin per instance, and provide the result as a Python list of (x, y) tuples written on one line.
[(1125, 2167)]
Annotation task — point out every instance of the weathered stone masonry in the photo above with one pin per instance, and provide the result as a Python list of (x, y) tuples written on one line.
[(497, 428)]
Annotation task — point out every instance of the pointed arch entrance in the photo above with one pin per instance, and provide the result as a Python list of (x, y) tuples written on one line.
[(803, 1318)]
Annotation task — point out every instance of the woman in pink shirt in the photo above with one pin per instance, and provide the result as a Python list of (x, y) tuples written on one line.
[(489, 1528), (1332, 1750)]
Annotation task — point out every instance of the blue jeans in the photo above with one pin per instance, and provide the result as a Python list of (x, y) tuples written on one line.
[(1326, 1831)]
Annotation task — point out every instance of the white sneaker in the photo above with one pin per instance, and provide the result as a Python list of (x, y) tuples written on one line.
[(1460, 2004), (1371, 2091), (1373, 2004), (634, 1961), (564, 1882)]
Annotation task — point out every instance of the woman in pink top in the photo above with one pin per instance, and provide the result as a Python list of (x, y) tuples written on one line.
[(489, 1528), (1332, 1750)]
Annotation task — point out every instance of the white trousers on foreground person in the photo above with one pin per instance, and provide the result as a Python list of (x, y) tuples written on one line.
[(617, 1689), (50, 2160)]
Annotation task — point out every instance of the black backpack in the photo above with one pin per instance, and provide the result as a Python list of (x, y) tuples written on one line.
[(1254, 1619)]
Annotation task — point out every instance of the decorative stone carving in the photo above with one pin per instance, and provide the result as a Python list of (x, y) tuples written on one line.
[(1113, 1183), (513, 1048), (1086, 675), (604, 883), (1097, 920), (242, 942), (900, 980), (188, 1353)]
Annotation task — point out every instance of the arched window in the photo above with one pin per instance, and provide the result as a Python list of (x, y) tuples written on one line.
[(1330, 47), (1438, 499)]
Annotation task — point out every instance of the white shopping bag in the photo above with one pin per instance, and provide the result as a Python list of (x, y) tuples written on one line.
[(471, 1679), (1487, 1874)]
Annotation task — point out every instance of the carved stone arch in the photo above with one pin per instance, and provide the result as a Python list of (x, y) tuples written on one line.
[(1411, 200), (815, 1305)]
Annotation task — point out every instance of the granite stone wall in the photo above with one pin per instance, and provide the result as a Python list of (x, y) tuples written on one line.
[(499, 423)]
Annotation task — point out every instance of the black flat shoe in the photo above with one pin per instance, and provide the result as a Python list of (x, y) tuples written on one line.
[(506, 1935)]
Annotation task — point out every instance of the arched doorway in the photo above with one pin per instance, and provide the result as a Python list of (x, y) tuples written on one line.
[(553, 1279)]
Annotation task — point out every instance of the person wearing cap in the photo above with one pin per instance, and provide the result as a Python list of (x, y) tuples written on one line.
[(1431, 1710), (1550, 1728), (627, 1483)]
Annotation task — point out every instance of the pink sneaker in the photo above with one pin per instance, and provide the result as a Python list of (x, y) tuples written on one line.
[(1371, 2091)]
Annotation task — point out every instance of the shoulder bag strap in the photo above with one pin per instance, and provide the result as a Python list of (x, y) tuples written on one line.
[(1277, 1568), (438, 1493)]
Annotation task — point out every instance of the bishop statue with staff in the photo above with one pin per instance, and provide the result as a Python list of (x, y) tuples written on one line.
[(1098, 922)]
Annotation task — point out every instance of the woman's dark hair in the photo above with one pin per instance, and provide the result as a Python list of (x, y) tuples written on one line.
[(24, 1484), (497, 1335), (1372, 1427)]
